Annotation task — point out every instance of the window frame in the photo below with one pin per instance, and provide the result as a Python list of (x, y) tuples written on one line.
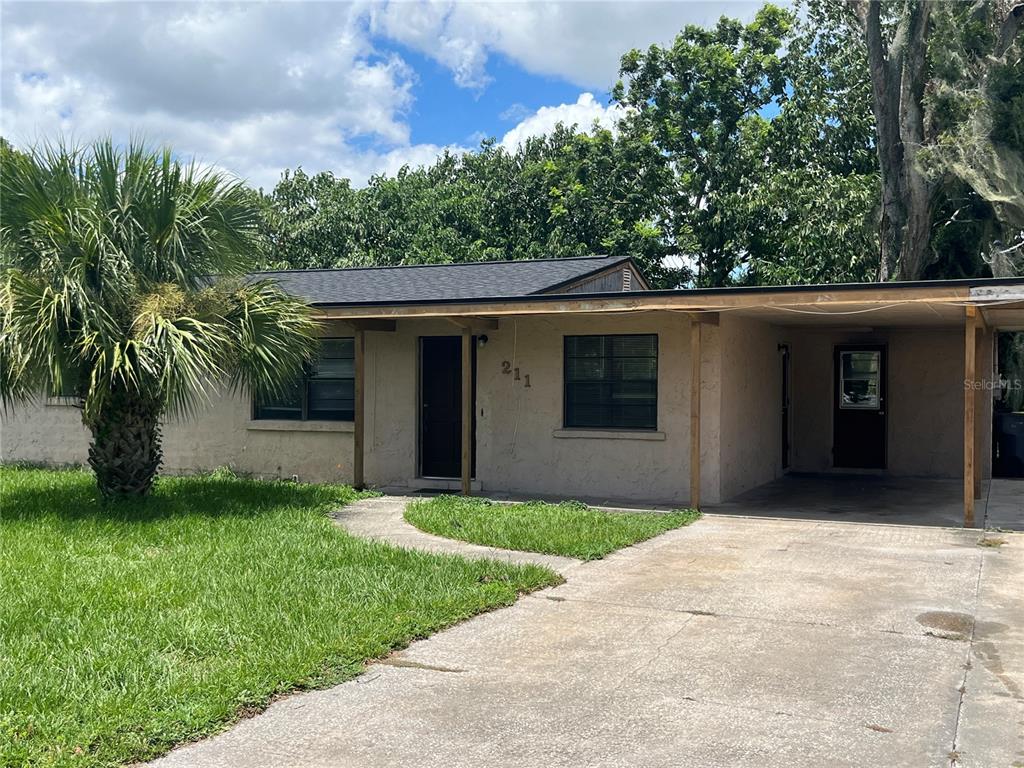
[(872, 376), (308, 376), (566, 383)]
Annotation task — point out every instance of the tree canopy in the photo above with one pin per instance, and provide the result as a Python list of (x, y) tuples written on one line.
[(830, 142), (775, 151)]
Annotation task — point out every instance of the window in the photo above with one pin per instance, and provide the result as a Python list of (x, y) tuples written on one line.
[(611, 382), (325, 392), (858, 380)]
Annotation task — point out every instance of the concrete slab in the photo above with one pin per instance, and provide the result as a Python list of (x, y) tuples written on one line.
[(857, 498), (733, 642), (992, 717), (1006, 504)]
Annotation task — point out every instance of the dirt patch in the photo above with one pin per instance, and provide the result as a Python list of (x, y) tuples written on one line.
[(392, 661), (949, 625), (993, 542)]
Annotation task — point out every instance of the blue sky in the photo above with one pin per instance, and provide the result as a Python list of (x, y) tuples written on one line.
[(355, 88), (445, 113)]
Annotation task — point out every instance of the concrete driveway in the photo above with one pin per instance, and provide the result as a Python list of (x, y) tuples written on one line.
[(734, 642)]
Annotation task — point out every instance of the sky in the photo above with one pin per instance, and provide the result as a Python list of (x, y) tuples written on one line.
[(353, 88)]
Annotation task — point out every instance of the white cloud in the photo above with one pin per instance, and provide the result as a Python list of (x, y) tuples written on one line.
[(583, 114), (254, 88), (260, 87), (580, 41)]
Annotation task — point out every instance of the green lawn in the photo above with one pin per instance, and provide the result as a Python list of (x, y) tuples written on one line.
[(127, 628), (570, 528)]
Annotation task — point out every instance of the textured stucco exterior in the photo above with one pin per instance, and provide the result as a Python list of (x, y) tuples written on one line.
[(751, 412), (521, 444), (925, 402)]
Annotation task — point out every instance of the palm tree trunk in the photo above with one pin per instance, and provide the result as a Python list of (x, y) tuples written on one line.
[(125, 450)]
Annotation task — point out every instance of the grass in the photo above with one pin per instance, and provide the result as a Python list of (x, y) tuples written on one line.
[(126, 628), (570, 528)]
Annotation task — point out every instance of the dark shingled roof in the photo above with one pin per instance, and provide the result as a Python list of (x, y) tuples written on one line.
[(437, 282)]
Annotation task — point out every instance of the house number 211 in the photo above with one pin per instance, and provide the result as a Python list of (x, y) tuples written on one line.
[(506, 367)]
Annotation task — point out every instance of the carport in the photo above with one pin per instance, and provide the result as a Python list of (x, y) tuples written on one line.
[(860, 498), (881, 410)]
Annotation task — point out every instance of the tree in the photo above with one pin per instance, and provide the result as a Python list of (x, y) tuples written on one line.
[(808, 207), (123, 282), (975, 100), (564, 194), (934, 69), (696, 100), (309, 222)]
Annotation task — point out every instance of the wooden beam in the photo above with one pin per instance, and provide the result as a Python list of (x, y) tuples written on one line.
[(682, 302), (467, 410), (359, 433), (706, 318), (695, 380), (970, 366), (373, 324), (984, 374), (475, 324)]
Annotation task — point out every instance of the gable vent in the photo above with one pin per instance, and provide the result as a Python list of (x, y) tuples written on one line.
[(627, 279)]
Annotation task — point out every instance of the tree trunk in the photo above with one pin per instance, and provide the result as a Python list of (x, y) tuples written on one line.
[(125, 450), (915, 255), (898, 78)]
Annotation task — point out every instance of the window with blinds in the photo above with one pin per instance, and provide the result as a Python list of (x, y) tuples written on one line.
[(325, 392), (611, 382)]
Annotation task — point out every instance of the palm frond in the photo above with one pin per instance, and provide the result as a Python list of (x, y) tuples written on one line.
[(123, 270), (273, 336)]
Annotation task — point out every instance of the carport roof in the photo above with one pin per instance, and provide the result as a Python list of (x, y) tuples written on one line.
[(926, 302)]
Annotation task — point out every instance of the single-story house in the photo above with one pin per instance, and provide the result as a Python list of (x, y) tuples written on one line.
[(571, 377)]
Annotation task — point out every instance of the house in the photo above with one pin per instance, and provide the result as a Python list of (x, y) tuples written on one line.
[(571, 377)]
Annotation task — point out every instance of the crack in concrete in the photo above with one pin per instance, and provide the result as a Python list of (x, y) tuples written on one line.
[(954, 752), (744, 617), (657, 651)]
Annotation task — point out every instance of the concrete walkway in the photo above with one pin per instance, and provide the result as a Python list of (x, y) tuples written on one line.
[(732, 643), (382, 518)]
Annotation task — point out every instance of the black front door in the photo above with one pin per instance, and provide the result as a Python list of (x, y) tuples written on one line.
[(441, 406), (860, 407)]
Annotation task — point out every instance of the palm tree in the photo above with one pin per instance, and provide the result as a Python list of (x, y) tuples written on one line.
[(123, 281)]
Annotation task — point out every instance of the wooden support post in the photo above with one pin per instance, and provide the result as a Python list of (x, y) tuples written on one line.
[(970, 365), (982, 375), (359, 433), (467, 410), (695, 354)]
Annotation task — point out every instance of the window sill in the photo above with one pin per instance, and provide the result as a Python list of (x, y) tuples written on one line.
[(286, 425), (608, 434)]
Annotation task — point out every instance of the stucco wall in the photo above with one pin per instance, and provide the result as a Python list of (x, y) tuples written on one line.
[(751, 415), (521, 445), (43, 433), (220, 435), (925, 399), (520, 442)]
